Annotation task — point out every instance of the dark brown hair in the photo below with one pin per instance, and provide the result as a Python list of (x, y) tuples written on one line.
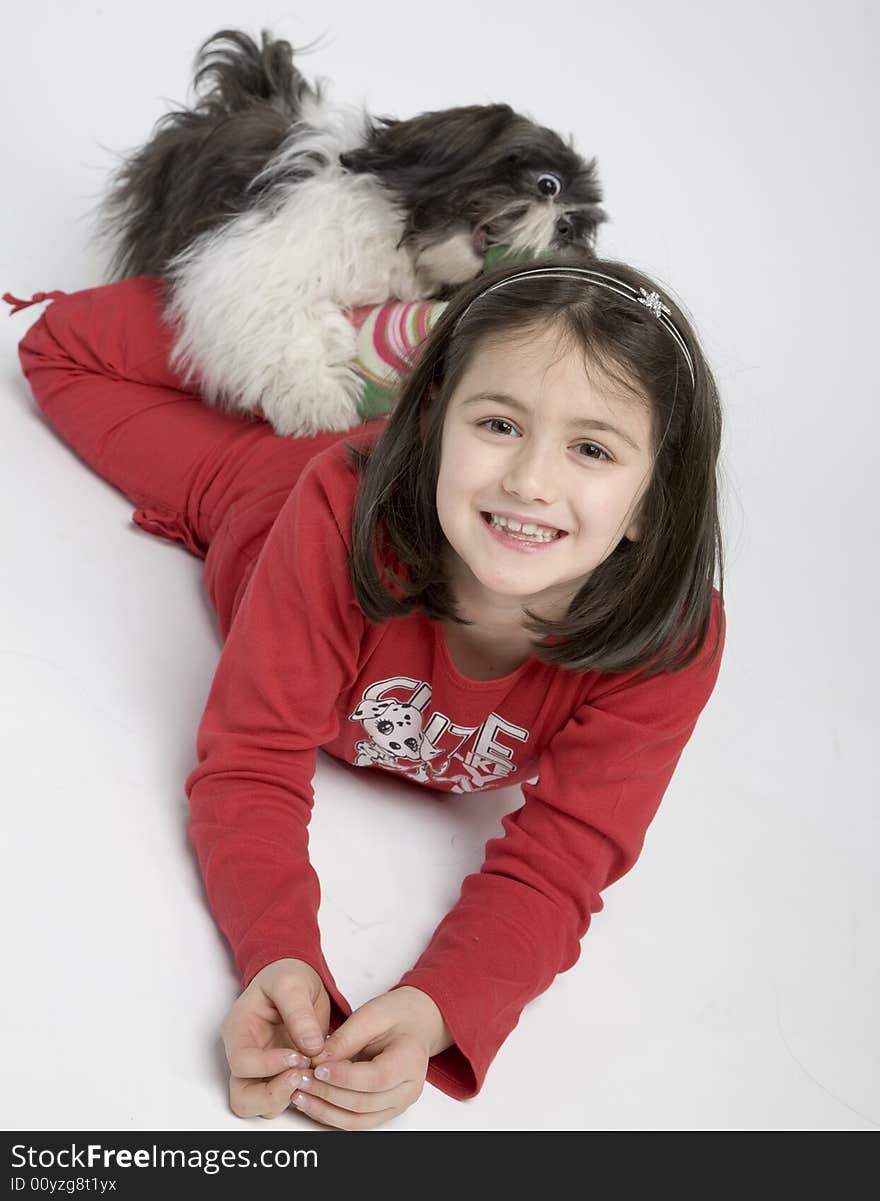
[(648, 604)]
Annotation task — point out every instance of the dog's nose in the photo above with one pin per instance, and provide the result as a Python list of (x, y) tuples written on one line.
[(564, 229)]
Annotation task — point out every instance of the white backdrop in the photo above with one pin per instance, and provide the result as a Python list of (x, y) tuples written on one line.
[(731, 981)]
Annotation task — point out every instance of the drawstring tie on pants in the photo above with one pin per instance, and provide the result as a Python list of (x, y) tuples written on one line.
[(37, 298)]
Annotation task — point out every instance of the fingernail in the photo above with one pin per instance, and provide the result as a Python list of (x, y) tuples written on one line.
[(294, 1060), (322, 1073), (305, 1082)]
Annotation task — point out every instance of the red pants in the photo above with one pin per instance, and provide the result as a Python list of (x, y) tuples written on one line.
[(97, 363)]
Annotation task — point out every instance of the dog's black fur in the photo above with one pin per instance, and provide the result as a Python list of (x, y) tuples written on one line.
[(203, 166)]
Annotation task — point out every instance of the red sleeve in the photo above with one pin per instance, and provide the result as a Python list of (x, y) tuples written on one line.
[(520, 920), (291, 651)]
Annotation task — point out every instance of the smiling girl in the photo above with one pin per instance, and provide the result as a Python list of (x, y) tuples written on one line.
[(508, 580), (561, 505)]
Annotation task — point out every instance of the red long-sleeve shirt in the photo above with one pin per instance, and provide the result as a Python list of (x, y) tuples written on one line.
[(302, 669)]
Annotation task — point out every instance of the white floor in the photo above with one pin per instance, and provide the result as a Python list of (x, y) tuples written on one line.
[(731, 981)]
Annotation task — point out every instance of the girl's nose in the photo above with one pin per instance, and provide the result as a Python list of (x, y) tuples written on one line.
[(531, 476)]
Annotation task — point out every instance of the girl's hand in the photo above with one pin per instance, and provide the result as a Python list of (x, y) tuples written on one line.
[(278, 1022), (394, 1036)]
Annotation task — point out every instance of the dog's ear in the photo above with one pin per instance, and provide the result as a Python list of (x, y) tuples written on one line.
[(431, 142), (376, 149)]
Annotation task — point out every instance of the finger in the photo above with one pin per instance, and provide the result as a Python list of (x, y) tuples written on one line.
[(299, 1017), (391, 1067), (248, 1061), (262, 1098), (304, 1028), (341, 1119), (401, 1093), (355, 1033)]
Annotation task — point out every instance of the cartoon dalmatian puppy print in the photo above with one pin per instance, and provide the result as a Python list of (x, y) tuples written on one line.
[(467, 758)]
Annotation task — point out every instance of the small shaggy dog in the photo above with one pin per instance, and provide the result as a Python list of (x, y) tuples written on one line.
[(270, 211)]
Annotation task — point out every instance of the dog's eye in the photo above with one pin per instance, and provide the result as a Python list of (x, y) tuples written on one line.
[(549, 185)]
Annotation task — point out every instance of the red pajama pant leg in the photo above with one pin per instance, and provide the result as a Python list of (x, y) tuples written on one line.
[(98, 365)]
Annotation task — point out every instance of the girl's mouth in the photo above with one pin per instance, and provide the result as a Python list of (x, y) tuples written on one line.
[(517, 541)]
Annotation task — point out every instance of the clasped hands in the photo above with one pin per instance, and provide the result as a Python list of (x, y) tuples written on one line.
[(369, 1070)]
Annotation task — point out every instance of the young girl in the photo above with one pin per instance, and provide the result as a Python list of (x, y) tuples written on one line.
[(507, 580)]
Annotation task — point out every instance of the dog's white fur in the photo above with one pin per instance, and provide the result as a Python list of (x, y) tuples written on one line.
[(258, 304)]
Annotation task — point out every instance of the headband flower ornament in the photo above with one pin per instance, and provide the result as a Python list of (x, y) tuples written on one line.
[(652, 301)]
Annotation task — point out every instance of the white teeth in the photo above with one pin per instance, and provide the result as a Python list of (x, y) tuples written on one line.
[(524, 529)]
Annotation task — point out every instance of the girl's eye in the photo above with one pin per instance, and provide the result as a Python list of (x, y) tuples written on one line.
[(600, 455), (495, 421)]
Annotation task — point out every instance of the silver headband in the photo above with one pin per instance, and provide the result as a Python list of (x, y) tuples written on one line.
[(651, 300)]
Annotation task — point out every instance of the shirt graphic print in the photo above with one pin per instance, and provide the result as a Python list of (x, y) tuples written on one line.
[(404, 736)]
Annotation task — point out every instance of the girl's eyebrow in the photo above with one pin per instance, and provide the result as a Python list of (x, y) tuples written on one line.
[(574, 423)]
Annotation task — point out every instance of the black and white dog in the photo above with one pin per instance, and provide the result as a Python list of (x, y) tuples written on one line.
[(269, 211)]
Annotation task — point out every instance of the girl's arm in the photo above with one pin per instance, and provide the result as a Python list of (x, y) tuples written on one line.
[(291, 651), (520, 920)]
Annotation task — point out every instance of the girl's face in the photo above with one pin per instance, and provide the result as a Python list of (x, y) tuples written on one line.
[(528, 433)]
